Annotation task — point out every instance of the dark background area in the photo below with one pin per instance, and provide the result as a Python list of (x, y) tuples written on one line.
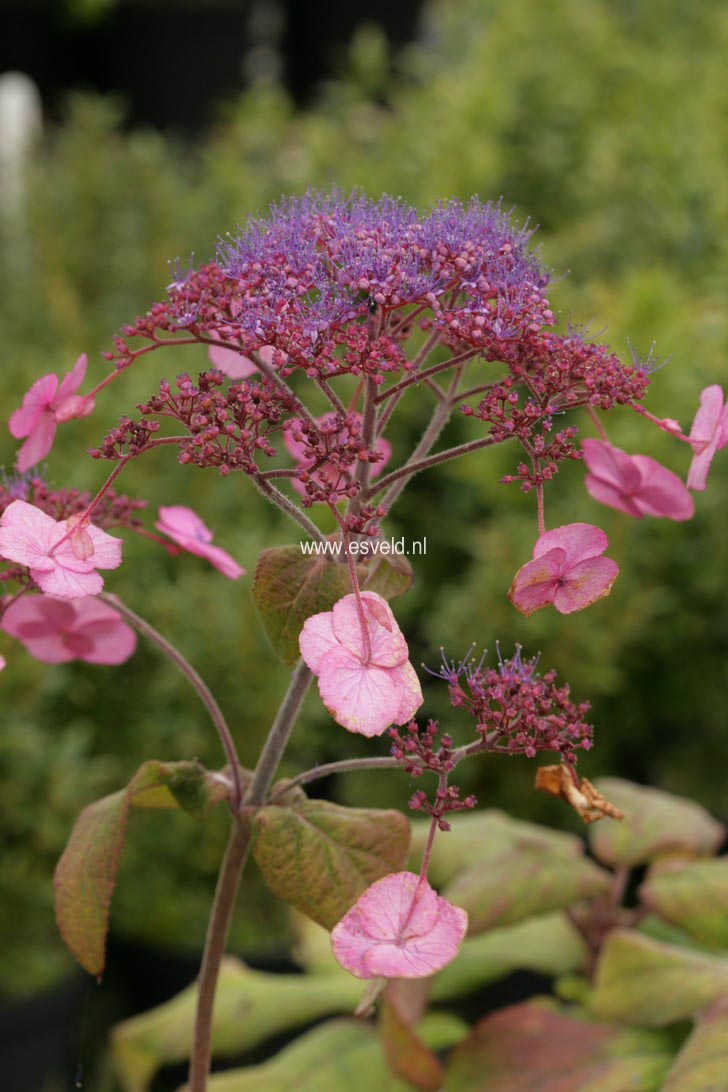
[(174, 62)]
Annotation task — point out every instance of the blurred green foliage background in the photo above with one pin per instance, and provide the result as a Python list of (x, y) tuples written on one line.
[(604, 121)]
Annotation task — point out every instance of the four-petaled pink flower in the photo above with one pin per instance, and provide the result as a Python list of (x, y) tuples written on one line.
[(186, 528), (635, 484), (364, 688), (55, 631), (62, 557), (567, 570), (399, 928), (47, 404), (327, 471), (709, 433)]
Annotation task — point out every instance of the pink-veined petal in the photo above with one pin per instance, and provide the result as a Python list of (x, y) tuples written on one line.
[(317, 639), (588, 581), (388, 645), (26, 535), (365, 700), (410, 690), (68, 584), (578, 541), (399, 928)]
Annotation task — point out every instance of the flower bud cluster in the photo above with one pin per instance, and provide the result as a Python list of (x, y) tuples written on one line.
[(516, 710)]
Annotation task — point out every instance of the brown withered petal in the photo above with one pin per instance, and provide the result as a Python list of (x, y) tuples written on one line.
[(584, 798)]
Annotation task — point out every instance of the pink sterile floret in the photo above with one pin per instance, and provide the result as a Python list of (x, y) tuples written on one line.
[(236, 365), (635, 484), (47, 404), (363, 694), (567, 570), (62, 557), (709, 433), (55, 631), (186, 528), (399, 928), (328, 471)]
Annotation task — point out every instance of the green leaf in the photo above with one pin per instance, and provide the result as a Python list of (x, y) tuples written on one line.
[(548, 944), (391, 575), (692, 896), (339, 1055), (523, 882), (288, 588), (482, 837), (656, 823), (86, 873), (532, 1048), (702, 1064), (319, 857), (250, 1007), (644, 981)]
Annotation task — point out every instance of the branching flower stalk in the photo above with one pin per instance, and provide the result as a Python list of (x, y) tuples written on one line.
[(357, 303)]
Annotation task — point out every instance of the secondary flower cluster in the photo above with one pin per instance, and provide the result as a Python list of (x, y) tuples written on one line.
[(516, 710)]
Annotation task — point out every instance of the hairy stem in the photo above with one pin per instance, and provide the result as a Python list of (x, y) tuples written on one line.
[(291, 510), (411, 468), (231, 872), (175, 656)]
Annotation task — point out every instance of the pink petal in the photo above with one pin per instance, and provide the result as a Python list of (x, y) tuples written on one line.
[(388, 645), (365, 700), (183, 525), (317, 639), (26, 535), (586, 582), (612, 496), (221, 560), (662, 493), (112, 640), (68, 584), (38, 444), (35, 403), (405, 677), (100, 551), (578, 540), (611, 465), (708, 417), (535, 582), (399, 928), (29, 621), (186, 528), (234, 365), (71, 382)]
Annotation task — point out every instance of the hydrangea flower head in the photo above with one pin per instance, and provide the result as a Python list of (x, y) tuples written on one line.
[(56, 631), (365, 687), (49, 402), (399, 928), (186, 528), (635, 484), (62, 557), (709, 433), (567, 571)]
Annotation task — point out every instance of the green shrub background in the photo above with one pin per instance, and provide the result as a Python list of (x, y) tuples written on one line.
[(605, 123)]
